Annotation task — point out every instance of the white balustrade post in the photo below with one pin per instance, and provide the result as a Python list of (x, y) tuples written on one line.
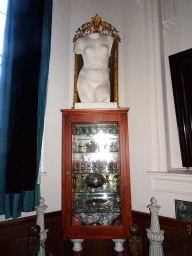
[(118, 244), (40, 209), (154, 234), (77, 246)]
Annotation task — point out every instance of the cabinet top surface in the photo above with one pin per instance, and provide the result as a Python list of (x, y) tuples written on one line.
[(84, 111)]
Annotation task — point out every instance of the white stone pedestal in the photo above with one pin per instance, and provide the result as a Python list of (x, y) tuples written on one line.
[(96, 105), (154, 234)]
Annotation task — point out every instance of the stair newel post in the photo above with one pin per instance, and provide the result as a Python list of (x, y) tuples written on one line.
[(135, 244), (34, 240)]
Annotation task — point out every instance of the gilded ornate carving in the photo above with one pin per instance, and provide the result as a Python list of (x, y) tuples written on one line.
[(76, 73), (116, 96), (97, 26)]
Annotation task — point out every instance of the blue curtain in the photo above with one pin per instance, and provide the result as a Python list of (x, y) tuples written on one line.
[(23, 84)]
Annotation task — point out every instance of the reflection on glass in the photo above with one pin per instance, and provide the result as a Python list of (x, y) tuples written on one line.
[(95, 175)]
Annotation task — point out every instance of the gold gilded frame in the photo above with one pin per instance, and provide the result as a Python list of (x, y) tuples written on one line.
[(102, 27)]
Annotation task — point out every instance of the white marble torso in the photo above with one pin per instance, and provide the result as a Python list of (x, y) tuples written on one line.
[(93, 83)]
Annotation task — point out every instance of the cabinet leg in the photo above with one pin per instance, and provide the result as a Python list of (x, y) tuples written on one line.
[(119, 246), (77, 246)]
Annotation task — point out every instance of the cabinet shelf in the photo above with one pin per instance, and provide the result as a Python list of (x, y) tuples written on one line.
[(92, 137), (110, 171), (99, 212), (87, 153), (99, 193)]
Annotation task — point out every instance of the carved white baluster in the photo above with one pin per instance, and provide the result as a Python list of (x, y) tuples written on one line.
[(77, 246), (118, 244), (154, 234), (40, 209)]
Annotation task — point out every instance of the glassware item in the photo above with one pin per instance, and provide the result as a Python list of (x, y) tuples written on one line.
[(83, 165), (116, 144), (115, 129), (74, 163), (91, 147), (83, 184), (74, 182), (106, 175), (114, 165), (94, 165), (94, 130), (76, 220), (78, 165), (110, 129), (80, 147), (81, 130), (88, 166), (101, 164), (87, 130), (112, 147)]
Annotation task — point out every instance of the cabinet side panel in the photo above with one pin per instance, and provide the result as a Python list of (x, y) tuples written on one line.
[(66, 173), (63, 175), (125, 175)]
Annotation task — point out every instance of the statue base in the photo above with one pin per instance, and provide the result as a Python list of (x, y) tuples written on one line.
[(96, 105)]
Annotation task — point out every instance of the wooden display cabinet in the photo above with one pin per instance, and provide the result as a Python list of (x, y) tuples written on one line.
[(96, 193)]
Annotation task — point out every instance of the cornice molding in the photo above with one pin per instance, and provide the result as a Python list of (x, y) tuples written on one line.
[(178, 183)]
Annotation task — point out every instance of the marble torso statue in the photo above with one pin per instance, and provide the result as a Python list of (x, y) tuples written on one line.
[(93, 83)]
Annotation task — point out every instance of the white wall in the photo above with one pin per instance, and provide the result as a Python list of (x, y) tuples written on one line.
[(136, 98), (154, 144), (57, 98), (142, 87)]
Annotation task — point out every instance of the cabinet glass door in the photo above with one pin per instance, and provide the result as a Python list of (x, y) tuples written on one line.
[(95, 175)]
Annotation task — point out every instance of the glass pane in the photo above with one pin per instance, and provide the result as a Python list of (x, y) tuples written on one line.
[(3, 6), (95, 175)]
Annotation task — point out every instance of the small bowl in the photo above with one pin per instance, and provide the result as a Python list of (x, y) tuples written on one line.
[(94, 180)]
